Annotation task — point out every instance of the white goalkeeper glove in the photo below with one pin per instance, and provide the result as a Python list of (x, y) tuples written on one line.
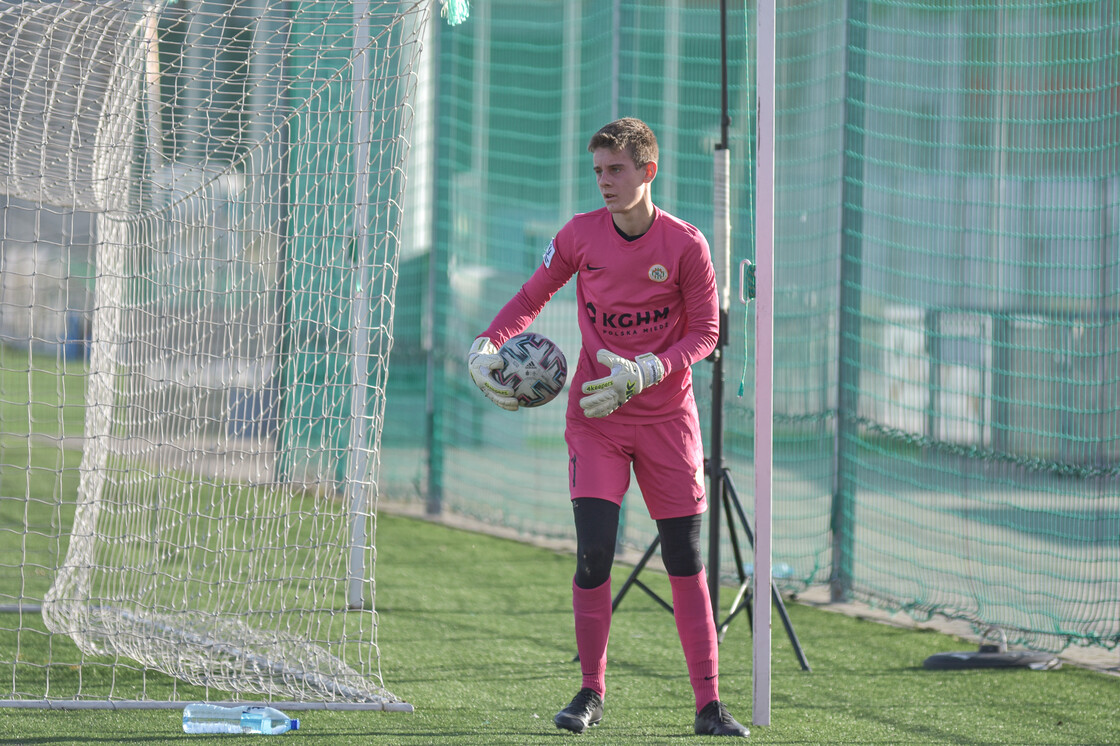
[(482, 359), (628, 378)]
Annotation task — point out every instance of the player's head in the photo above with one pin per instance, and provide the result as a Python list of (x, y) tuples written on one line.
[(629, 134), (625, 158)]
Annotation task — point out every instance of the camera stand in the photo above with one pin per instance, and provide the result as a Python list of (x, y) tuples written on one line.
[(732, 508)]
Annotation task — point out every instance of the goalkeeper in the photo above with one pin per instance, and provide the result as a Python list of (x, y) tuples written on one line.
[(648, 310)]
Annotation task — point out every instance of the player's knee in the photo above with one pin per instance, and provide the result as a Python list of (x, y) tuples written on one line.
[(680, 545), (682, 562), (593, 566)]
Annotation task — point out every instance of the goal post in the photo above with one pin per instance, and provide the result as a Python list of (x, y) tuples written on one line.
[(761, 650), (209, 513)]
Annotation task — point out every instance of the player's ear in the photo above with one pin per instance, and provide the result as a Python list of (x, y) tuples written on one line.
[(651, 171)]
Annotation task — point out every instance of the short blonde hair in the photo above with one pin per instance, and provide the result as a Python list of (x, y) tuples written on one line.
[(630, 134)]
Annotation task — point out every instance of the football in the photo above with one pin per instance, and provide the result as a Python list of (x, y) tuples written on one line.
[(535, 368)]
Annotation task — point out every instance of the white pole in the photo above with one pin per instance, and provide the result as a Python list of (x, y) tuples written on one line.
[(360, 457), (571, 164), (764, 358), (721, 243), (616, 63)]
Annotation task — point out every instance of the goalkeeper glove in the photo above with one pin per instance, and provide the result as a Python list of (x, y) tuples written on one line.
[(482, 359), (628, 378)]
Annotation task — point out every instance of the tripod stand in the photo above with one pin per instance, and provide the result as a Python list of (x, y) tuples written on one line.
[(732, 508), (725, 501)]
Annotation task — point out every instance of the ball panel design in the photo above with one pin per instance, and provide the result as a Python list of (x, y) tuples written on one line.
[(535, 368)]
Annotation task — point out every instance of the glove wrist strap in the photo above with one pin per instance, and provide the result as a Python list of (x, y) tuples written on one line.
[(653, 370)]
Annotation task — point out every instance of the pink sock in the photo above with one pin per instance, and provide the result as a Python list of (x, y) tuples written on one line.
[(592, 607), (692, 609)]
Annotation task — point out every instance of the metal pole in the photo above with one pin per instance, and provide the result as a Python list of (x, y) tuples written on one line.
[(765, 46), (434, 294), (851, 272), (360, 457), (722, 256), (616, 63)]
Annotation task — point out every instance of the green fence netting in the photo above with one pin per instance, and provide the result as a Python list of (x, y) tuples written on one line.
[(947, 424)]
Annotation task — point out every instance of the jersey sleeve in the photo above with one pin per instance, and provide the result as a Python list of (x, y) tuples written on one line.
[(552, 274), (698, 288)]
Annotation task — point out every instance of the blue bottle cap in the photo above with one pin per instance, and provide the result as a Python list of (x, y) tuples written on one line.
[(295, 723)]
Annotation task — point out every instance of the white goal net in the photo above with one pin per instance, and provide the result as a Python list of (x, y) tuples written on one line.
[(201, 207)]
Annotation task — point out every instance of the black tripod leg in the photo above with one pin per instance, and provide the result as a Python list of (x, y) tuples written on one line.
[(733, 497), (742, 598), (741, 603), (789, 627), (633, 579)]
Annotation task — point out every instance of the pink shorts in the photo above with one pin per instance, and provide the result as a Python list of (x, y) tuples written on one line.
[(667, 457)]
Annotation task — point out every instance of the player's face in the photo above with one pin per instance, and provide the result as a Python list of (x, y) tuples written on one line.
[(623, 185)]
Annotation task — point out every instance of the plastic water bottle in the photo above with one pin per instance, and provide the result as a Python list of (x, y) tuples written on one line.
[(207, 718)]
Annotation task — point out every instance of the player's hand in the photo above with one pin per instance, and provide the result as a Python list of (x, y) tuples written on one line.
[(628, 378), (482, 359)]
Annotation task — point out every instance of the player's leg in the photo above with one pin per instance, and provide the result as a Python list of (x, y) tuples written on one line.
[(596, 528), (669, 471), (596, 522), (599, 474), (596, 532), (692, 610)]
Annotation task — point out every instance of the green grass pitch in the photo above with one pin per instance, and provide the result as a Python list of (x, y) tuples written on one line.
[(476, 633)]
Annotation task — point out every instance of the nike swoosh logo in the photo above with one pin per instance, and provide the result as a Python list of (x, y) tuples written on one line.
[(709, 678), (589, 268)]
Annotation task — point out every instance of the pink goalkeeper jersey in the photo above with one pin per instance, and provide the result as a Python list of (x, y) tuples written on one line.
[(654, 294)]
